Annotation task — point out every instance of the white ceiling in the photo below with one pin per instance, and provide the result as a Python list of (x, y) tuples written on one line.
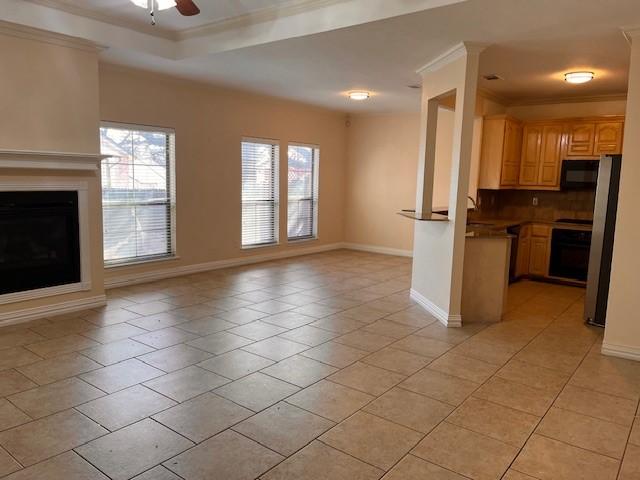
[(532, 42)]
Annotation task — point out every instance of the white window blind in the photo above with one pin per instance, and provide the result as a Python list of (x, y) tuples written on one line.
[(259, 192), (138, 193), (302, 216)]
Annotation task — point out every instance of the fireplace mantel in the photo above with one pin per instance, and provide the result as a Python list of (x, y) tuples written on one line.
[(50, 160)]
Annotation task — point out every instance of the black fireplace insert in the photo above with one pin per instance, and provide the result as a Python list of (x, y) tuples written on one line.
[(39, 240)]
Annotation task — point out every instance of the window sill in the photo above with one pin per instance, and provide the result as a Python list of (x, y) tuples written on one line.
[(263, 245), (141, 262), (302, 240)]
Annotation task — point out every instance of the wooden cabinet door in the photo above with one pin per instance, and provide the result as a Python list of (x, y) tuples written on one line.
[(581, 139), (511, 154), (531, 147), (524, 248), (608, 138), (539, 256), (550, 156)]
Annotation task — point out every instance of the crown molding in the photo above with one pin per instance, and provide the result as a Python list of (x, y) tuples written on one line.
[(552, 100), (31, 33), (631, 33), (451, 55)]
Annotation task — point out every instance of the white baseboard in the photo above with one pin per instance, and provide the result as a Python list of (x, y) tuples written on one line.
[(621, 351), (442, 316), (127, 279), (377, 249), (51, 310)]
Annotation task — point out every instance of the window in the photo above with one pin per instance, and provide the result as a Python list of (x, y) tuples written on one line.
[(138, 193), (259, 192), (302, 221)]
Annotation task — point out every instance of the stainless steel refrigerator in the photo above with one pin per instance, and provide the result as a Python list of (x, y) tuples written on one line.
[(604, 225)]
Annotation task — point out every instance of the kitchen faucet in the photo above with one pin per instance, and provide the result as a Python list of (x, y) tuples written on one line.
[(475, 205)]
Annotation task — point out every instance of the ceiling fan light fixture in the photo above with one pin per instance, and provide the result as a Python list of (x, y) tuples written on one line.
[(160, 4), (578, 77), (359, 95)]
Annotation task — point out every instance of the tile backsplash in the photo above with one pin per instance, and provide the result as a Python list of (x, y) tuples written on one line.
[(551, 205)]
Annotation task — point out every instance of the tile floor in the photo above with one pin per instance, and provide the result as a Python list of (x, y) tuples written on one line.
[(316, 367)]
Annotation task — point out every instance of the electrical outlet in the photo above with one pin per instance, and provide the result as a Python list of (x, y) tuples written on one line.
[(535, 201)]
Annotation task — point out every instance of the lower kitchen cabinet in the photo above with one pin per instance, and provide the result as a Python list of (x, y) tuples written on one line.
[(533, 251), (539, 256), (524, 249)]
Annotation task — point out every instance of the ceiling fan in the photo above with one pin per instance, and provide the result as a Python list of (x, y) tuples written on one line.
[(185, 7)]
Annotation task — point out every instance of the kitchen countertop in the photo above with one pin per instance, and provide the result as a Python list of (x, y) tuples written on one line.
[(503, 224)]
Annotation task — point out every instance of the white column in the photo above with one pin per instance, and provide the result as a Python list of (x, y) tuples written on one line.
[(622, 332)]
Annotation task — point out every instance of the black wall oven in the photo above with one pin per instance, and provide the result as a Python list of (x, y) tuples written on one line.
[(570, 254), (579, 174)]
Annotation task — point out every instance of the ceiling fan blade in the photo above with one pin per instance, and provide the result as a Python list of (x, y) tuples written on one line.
[(187, 8)]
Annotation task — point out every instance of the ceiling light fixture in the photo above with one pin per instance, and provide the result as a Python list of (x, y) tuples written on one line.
[(578, 77), (159, 4), (359, 96)]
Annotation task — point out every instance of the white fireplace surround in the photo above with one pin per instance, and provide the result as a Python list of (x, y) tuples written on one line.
[(12, 159)]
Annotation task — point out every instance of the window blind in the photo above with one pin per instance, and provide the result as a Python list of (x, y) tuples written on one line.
[(138, 193), (259, 192), (302, 213)]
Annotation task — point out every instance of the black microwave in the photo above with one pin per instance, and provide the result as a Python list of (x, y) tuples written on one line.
[(579, 174)]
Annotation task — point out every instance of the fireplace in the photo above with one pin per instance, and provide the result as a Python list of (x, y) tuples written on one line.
[(39, 240)]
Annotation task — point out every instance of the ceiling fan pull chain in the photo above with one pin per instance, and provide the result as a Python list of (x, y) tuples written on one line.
[(152, 11)]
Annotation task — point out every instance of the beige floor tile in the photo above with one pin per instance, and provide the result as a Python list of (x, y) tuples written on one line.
[(330, 400), (121, 375), (440, 386), (595, 404), (533, 375), (36, 441), (276, 348), (7, 463), (242, 315), (527, 399), (202, 417), (397, 361), (158, 321), (335, 354), (12, 382), (125, 407), (464, 367), (236, 364), (367, 378), (495, 421), (206, 325), (364, 340), (174, 358), (68, 466), (300, 371), (453, 336), (284, 428), (133, 449), (219, 343), (256, 391), (513, 475), (116, 351), (585, 432), (410, 409), (257, 330), (63, 327), (414, 468), (62, 345), (187, 383), (484, 351), (372, 439), (412, 317), (320, 462), (547, 459), (561, 361), (634, 438), (365, 313), (58, 368), (631, 464), (19, 338), (466, 452), (17, 357), (227, 456), (309, 335), (55, 397), (165, 338), (289, 319), (113, 333), (425, 346), (316, 310), (390, 329), (272, 307), (338, 324), (151, 308), (10, 416), (614, 376), (157, 473)]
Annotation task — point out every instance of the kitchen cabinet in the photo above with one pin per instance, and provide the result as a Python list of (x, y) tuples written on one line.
[(595, 137), (500, 152), (524, 249), (581, 139), (608, 138), (539, 250), (541, 155)]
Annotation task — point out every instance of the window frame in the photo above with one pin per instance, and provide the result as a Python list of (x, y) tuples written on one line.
[(315, 199), (274, 143), (172, 193)]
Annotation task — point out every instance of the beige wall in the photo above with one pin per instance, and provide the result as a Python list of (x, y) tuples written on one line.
[(622, 333), (210, 123), (381, 179), (49, 91)]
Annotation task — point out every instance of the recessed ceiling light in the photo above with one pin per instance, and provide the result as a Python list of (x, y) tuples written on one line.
[(578, 77), (360, 95)]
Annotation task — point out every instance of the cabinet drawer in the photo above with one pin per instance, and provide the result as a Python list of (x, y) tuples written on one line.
[(540, 230)]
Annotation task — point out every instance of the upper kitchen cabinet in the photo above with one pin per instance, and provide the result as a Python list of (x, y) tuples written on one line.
[(500, 153), (541, 155), (594, 137)]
